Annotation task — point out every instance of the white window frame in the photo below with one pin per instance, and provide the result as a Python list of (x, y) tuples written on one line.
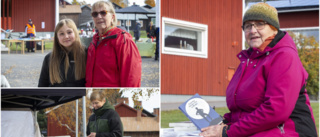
[(188, 26), (243, 35), (128, 23), (300, 28)]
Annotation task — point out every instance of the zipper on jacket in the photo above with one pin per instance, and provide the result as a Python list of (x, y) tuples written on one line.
[(281, 127), (248, 62), (96, 122)]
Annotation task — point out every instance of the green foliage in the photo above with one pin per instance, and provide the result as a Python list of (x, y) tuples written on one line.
[(143, 34), (121, 3), (140, 93), (315, 109), (308, 48), (177, 116), (150, 2), (42, 120), (48, 46), (75, 2), (82, 3)]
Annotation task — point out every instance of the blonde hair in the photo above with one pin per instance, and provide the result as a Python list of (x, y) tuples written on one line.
[(97, 95), (109, 7), (59, 52)]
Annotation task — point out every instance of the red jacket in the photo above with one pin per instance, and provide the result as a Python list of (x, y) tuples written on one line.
[(113, 62), (267, 96)]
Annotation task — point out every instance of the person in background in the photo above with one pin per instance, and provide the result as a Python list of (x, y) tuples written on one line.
[(151, 31), (105, 122), (113, 59), (137, 31), (267, 95), (88, 28), (30, 31), (156, 53), (65, 66)]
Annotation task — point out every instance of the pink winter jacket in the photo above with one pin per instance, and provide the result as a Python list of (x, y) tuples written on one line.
[(267, 96)]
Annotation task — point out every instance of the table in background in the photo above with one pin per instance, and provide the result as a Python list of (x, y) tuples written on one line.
[(23, 45), (146, 49)]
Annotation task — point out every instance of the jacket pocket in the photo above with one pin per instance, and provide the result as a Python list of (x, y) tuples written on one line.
[(103, 125)]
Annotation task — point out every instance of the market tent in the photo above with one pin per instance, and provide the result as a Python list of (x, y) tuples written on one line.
[(37, 99), (19, 107), (136, 9), (20, 123)]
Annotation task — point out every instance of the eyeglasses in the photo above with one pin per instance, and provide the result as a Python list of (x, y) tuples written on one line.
[(258, 25), (102, 13)]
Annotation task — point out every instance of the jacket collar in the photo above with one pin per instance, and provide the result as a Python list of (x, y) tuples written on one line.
[(274, 44), (110, 34), (106, 106)]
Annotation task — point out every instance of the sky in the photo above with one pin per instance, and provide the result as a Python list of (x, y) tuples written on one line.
[(148, 103), (138, 2)]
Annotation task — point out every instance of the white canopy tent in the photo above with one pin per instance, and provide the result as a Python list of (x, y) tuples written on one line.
[(19, 108)]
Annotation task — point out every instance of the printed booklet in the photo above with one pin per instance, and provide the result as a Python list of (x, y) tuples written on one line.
[(199, 112)]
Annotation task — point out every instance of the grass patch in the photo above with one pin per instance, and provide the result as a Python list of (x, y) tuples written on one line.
[(48, 46), (177, 116), (315, 109), (143, 34)]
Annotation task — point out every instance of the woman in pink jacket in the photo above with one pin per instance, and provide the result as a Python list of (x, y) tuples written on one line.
[(267, 95), (113, 59)]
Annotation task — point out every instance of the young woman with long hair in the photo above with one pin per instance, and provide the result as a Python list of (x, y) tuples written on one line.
[(65, 65)]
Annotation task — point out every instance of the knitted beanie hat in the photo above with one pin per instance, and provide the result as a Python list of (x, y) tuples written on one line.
[(262, 11)]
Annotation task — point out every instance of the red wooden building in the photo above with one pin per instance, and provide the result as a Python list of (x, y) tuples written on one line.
[(299, 16), (138, 123), (16, 13), (183, 74)]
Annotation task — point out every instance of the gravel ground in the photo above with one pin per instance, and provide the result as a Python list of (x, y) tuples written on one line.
[(24, 70)]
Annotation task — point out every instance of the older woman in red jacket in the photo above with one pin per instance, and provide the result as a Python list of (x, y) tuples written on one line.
[(267, 95), (113, 59)]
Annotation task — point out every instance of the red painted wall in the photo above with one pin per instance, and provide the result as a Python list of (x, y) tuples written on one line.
[(125, 111), (38, 10), (53, 129), (189, 75), (299, 19)]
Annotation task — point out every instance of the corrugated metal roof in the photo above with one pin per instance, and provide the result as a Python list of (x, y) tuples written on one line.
[(70, 9), (291, 4)]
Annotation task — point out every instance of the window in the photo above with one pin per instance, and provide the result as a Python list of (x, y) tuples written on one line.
[(153, 20), (304, 36), (128, 23), (307, 31), (119, 23), (184, 38)]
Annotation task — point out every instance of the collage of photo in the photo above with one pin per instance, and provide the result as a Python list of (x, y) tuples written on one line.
[(159, 68)]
